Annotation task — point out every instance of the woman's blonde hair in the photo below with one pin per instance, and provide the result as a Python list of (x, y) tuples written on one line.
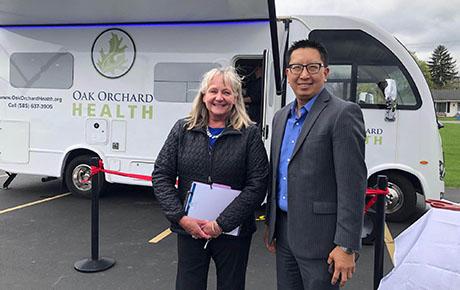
[(199, 115)]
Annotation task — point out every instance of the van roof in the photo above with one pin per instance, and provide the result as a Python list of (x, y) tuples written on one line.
[(62, 12)]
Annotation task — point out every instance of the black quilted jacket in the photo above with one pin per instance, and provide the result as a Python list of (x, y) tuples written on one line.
[(238, 159)]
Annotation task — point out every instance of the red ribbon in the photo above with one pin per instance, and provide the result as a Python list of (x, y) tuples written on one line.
[(437, 203), (375, 193), (95, 170)]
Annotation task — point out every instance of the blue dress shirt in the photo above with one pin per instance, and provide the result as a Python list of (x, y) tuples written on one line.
[(291, 133)]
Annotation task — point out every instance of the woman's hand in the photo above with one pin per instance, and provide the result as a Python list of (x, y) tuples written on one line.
[(212, 228), (271, 247), (194, 227)]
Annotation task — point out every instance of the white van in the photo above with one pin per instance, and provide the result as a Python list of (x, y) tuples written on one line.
[(77, 82)]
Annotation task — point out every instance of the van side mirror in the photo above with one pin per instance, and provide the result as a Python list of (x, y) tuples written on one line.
[(390, 91)]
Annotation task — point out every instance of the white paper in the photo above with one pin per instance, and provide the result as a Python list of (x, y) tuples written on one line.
[(208, 202)]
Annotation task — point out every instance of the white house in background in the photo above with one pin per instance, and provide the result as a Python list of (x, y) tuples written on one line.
[(447, 102)]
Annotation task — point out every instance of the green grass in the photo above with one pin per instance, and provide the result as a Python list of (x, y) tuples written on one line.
[(450, 135), (447, 119)]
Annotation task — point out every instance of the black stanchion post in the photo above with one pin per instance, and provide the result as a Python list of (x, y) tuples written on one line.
[(382, 183), (95, 264)]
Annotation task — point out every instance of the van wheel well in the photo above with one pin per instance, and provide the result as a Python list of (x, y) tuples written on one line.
[(372, 180), (72, 154), (77, 170), (402, 198)]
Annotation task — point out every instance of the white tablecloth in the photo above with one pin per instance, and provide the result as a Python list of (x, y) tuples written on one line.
[(427, 254)]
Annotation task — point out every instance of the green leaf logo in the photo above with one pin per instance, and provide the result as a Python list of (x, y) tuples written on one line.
[(115, 58), (113, 53)]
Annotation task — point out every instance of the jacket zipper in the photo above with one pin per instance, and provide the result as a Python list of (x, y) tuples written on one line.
[(211, 155), (210, 166), (209, 160), (210, 152)]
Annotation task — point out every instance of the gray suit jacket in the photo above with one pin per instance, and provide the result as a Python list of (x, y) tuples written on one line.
[(327, 178)]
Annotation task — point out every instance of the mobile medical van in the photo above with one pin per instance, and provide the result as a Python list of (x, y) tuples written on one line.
[(109, 78)]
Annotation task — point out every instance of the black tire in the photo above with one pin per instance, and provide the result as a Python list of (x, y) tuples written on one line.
[(369, 226), (402, 200), (76, 172)]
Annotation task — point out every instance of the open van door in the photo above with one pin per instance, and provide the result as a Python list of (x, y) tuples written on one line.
[(269, 108)]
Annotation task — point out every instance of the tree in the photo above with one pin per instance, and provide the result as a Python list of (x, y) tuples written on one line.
[(424, 68), (442, 67)]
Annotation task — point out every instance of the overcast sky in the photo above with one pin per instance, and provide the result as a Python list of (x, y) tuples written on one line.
[(420, 25)]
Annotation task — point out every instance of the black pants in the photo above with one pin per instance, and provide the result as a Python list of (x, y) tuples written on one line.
[(230, 254), (295, 272)]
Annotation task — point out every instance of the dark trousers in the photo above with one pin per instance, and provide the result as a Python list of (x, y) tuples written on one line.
[(295, 272), (230, 254)]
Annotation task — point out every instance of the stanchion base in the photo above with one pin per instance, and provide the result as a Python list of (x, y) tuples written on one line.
[(89, 265)]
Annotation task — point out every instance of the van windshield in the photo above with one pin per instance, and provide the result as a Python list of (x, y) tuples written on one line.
[(358, 63)]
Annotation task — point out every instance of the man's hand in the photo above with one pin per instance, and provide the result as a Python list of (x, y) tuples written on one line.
[(344, 265), (270, 246), (193, 226), (212, 228)]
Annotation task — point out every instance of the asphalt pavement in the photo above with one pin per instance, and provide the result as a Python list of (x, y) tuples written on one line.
[(39, 243)]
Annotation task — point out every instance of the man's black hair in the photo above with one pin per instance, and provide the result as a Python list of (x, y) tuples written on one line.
[(306, 43)]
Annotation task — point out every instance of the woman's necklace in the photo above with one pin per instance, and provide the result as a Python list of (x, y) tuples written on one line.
[(210, 135)]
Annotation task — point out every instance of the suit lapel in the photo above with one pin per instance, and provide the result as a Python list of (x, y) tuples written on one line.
[(278, 134), (318, 107)]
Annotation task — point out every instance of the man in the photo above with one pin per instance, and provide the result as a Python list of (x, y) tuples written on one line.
[(253, 96), (318, 179)]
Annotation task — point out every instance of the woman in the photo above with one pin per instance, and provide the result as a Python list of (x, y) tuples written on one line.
[(216, 143)]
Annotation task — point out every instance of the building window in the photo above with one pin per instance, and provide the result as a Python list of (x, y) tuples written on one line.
[(441, 107)]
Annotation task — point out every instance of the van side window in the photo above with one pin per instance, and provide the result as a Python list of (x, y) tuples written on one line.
[(368, 92), (178, 82), (44, 70), (339, 81)]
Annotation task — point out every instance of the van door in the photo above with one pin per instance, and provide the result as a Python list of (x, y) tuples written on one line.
[(268, 109)]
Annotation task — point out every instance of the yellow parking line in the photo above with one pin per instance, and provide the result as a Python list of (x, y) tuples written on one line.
[(260, 218), (33, 203), (389, 242), (160, 236)]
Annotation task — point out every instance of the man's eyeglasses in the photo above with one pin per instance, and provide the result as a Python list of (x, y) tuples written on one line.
[(312, 68)]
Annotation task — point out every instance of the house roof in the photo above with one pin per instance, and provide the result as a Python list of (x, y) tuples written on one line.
[(446, 95)]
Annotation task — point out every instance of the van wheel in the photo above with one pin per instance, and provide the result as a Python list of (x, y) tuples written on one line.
[(77, 172), (401, 200)]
